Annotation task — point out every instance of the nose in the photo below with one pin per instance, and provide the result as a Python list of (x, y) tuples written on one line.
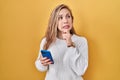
[(65, 20)]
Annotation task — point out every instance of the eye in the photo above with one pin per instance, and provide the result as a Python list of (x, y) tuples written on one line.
[(68, 16), (60, 18)]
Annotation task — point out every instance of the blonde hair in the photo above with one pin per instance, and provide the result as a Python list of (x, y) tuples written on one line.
[(52, 30)]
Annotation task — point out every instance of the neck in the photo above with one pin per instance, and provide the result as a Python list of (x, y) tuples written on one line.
[(59, 35)]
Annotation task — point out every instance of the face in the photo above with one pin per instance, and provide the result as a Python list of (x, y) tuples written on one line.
[(64, 21)]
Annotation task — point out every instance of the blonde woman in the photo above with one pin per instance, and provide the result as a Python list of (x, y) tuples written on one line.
[(69, 51)]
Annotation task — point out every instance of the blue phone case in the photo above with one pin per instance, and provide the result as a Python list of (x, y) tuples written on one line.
[(46, 53)]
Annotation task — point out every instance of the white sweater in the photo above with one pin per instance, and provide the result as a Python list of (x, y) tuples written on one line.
[(69, 63)]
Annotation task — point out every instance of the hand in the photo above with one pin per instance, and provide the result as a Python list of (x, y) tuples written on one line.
[(67, 36), (45, 61)]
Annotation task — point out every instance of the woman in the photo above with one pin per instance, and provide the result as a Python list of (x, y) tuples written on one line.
[(69, 51)]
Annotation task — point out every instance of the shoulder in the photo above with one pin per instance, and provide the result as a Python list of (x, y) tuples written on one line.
[(80, 41), (43, 41), (79, 38)]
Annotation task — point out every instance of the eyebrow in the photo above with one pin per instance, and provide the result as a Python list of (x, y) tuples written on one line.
[(62, 14)]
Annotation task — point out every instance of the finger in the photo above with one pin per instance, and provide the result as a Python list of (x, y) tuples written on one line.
[(64, 37), (47, 60), (46, 64), (43, 59), (64, 32), (50, 62)]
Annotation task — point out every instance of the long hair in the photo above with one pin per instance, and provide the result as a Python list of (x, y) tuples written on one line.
[(52, 31)]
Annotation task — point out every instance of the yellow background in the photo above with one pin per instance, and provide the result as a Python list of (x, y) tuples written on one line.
[(23, 23)]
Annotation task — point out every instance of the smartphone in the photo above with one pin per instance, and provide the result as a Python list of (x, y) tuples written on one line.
[(46, 53)]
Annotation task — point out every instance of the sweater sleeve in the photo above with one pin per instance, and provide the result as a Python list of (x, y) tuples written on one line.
[(38, 64), (79, 57)]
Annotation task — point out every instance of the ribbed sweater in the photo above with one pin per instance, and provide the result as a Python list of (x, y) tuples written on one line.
[(70, 63)]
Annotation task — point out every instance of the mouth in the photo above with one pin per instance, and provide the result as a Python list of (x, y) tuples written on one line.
[(66, 27)]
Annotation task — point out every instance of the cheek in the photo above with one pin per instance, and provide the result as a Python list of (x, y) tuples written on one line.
[(71, 25), (59, 26)]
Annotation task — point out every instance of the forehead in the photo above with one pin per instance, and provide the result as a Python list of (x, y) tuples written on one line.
[(64, 11)]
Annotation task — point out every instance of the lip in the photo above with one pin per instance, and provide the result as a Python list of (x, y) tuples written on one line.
[(66, 26)]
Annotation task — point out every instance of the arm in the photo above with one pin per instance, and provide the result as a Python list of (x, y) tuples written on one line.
[(38, 63), (79, 57)]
